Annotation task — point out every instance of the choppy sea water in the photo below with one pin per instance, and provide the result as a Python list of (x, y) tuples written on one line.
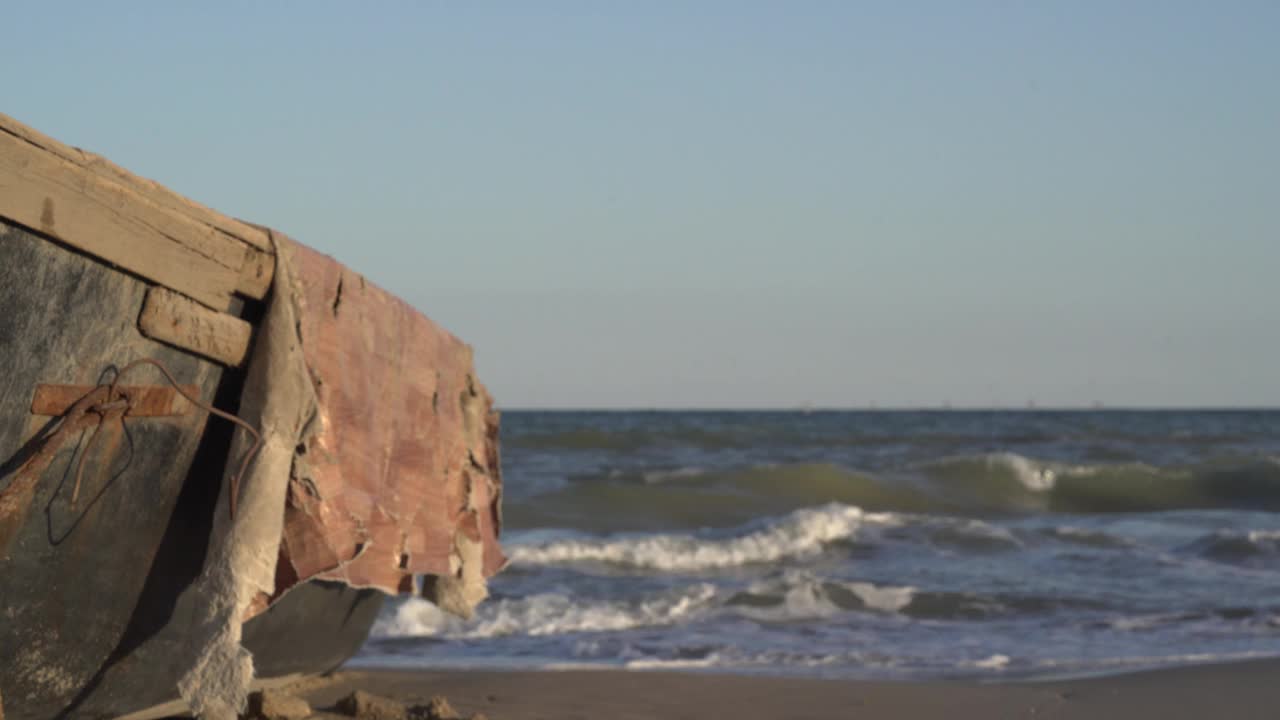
[(995, 545)]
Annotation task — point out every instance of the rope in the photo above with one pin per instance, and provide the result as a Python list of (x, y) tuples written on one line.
[(118, 402)]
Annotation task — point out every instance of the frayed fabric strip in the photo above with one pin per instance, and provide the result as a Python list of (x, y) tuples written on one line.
[(279, 399)]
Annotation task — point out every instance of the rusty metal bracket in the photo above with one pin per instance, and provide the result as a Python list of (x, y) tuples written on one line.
[(82, 407), (35, 456), (143, 400)]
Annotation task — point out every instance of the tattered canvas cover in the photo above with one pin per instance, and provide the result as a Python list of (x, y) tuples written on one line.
[(379, 462), (398, 473)]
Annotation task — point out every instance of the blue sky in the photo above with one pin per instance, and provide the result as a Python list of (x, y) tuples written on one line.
[(731, 204)]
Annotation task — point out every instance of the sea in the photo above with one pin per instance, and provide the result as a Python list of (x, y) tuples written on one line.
[(989, 545)]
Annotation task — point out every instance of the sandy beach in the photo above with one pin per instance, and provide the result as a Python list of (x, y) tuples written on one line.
[(1229, 690)]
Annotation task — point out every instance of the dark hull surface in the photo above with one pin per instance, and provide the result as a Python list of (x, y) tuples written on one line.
[(95, 601)]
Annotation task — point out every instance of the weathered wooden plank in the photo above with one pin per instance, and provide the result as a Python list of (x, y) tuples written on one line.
[(154, 191), (171, 318), (183, 230), (233, 243), (256, 274), (144, 400), (46, 193)]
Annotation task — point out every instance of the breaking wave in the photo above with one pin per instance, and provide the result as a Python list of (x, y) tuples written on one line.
[(802, 533), (1087, 537), (1248, 547), (969, 485), (1012, 482), (790, 596), (544, 614), (890, 545), (800, 595), (690, 498), (1008, 481)]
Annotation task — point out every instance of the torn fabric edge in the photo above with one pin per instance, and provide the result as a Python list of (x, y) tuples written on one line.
[(279, 400), (399, 476)]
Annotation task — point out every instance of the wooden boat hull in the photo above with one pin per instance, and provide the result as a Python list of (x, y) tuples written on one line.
[(97, 600), (150, 550), (70, 577)]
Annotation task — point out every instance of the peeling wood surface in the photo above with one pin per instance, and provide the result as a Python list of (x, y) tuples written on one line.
[(401, 466), (156, 192), (176, 320)]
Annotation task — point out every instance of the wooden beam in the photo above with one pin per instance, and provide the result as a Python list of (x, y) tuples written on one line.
[(155, 192), (181, 229), (176, 320), (50, 195), (256, 274)]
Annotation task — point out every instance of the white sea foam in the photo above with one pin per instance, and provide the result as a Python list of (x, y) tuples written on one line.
[(732, 657), (807, 596), (1140, 623), (545, 614), (970, 532), (1087, 536), (1036, 477), (1040, 476), (655, 477), (711, 660), (1239, 544), (803, 598), (1267, 539), (802, 533), (1076, 533), (884, 598), (1097, 665), (994, 662)]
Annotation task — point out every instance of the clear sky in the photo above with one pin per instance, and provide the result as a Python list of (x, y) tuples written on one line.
[(728, 204)]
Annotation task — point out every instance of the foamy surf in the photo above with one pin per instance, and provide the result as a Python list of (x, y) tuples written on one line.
[(801, 534), (544, 614), (891, 545), (1247, 547), (1036, 477), (801, 595), (974, 485)]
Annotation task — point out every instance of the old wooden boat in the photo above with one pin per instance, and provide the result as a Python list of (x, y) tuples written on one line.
[(219, 449)]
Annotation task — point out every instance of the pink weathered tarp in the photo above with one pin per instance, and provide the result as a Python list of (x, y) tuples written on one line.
[(378, 463), (398, 473)]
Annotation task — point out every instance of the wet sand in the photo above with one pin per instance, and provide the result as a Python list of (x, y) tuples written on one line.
[(1229, 690)]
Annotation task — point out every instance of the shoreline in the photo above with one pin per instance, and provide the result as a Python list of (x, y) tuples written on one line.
[(1235, 689)]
